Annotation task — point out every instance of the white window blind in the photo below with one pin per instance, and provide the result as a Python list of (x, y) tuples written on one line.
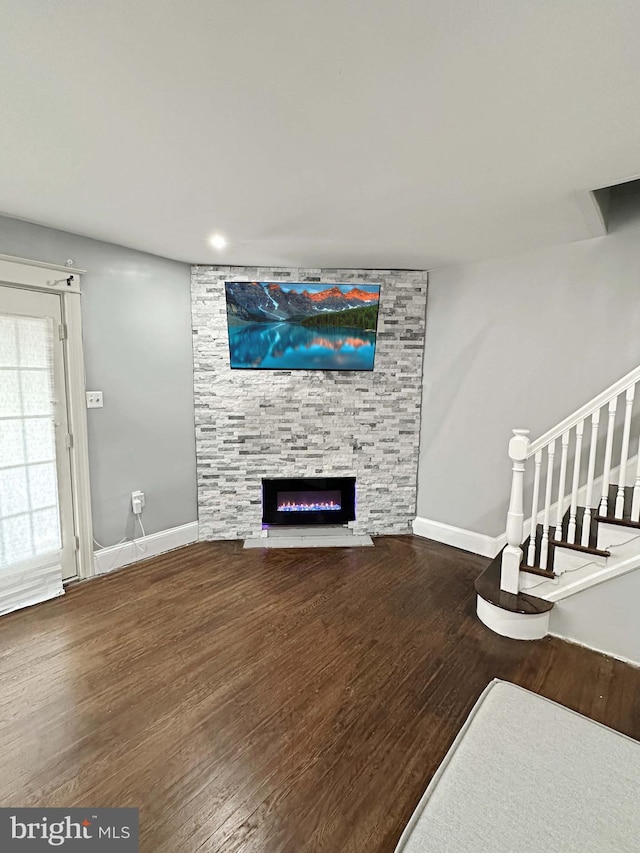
[(30, 544)]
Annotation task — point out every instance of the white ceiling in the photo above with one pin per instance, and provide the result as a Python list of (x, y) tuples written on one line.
[(358, 133)]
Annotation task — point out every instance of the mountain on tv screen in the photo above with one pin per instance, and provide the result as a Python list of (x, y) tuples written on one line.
[(301, 326)]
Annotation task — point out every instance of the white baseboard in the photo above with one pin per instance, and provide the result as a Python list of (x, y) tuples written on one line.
[(109, 559), (609, 654), (459, 537)]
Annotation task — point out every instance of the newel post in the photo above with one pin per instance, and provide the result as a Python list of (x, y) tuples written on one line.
[(512, 554)]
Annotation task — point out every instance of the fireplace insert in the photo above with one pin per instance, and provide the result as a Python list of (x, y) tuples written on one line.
[(309, 500)]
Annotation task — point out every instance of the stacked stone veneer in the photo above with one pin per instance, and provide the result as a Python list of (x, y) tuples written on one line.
[(252, 424)]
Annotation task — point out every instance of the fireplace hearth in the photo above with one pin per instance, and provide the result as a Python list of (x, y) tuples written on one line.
[(308, 501)]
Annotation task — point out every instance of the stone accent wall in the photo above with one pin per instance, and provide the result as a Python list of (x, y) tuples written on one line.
[(252, 424)]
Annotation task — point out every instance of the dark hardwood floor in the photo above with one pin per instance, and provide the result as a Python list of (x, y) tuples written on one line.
[(267, 701)]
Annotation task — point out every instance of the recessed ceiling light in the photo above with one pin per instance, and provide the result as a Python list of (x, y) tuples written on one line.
[(218, 241)]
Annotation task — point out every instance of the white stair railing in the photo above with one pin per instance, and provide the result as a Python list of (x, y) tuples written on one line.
[(604, 500), (534, 512), (591, 470), (512, 554), (635, 506), (624, 453), (578, 439), (561, 484), (544, 545)]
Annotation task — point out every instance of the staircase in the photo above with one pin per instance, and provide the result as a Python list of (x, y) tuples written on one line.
[(583, 490)]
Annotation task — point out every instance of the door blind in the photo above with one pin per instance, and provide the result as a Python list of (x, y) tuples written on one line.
[(29, 513)]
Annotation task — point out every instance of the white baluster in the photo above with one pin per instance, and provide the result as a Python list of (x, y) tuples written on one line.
[(531, 555), (512, 554), (544, 544), (591, 469), (606, 474), (561, 484), (573, 510), (624, 453), (635, 506)]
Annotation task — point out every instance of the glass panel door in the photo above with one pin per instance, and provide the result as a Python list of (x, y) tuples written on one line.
[(36, 514)]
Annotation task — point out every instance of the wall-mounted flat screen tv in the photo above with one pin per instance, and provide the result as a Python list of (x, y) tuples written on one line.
[(302, 326)]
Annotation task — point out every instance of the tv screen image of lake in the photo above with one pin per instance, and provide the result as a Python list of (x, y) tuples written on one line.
[(302, 326)]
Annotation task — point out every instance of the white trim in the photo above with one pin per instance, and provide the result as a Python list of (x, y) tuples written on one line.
[(459, 537), (79, 452), (43, 264), (596, 649), (518, 626), (37, 275), (116, 556)]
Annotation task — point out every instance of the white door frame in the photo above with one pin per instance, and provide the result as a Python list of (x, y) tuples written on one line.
[(66, 281)]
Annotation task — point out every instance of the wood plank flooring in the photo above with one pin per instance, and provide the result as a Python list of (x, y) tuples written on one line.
[(267, 701)]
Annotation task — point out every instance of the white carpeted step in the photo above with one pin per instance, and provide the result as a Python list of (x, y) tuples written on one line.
[(613, 535), (568, 559)]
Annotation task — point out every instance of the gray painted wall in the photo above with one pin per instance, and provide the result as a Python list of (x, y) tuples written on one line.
[(136, 318), (604, 617), (252, 424), (519, 342)]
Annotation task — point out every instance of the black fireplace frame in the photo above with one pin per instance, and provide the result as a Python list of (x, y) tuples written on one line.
[(345, 485)]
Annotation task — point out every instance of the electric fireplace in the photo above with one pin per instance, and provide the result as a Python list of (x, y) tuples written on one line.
[(309, 500)]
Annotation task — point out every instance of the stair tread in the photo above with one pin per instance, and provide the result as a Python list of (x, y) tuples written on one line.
[(537, 570), (561, 543), (487, 586), (623, 522), (597, 552)]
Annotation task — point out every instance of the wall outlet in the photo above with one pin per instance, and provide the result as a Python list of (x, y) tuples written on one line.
[(94, 399), (137, 502)]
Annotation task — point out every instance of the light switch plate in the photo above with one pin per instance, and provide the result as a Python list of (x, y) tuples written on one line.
[(94, 399)]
